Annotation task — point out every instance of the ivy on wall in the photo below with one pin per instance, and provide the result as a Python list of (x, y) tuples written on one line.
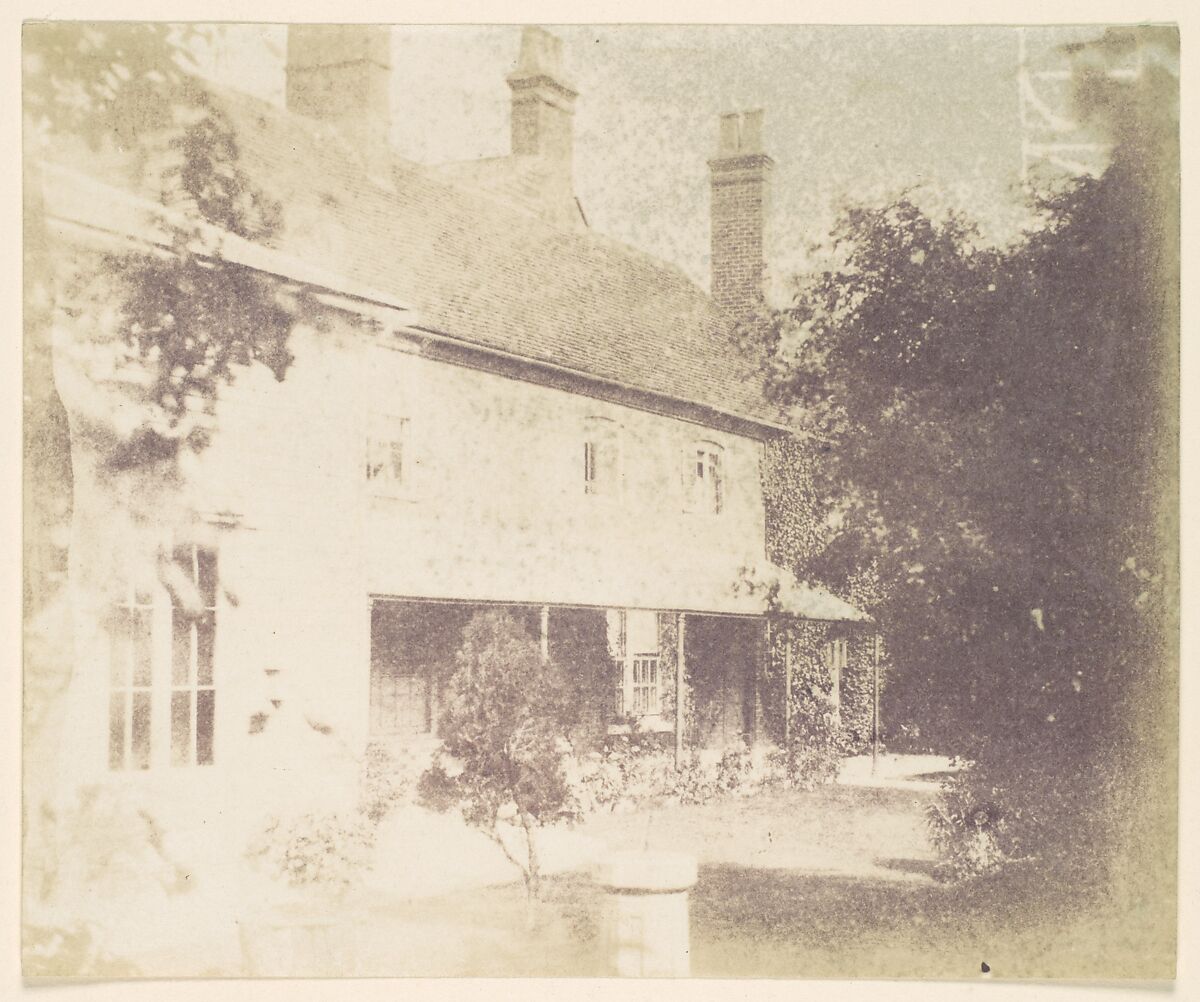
[(798, 533)]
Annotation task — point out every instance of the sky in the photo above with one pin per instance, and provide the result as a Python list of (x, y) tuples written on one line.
[(852, 114)]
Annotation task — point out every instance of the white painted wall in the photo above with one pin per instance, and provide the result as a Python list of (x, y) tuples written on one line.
[(496, 510)]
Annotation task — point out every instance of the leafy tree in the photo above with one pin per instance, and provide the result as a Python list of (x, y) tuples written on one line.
[(504, 734), (125, 349), (999, 426), (142, 339)]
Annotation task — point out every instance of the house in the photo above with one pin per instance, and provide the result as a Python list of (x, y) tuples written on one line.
[(490, 405)]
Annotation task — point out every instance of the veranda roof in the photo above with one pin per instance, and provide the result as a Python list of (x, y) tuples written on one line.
[(784, 593)]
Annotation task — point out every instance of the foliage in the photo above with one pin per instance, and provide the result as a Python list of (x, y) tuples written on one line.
[(579, 645), (972, 835), (187, 317), (816, 744), (101, 845), (78, 950), (508, 714), (326, 849), (385, 781), (1000, 425)]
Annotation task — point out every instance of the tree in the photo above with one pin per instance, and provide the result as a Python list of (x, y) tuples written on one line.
[(999, 426), (125, 349), (142, 339), (504, 734)]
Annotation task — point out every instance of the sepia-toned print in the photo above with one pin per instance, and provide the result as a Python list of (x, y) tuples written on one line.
[(625, 501)]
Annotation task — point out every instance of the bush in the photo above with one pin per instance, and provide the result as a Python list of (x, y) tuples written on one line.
[(816, 745), (506, 737), (970, 833), (385, 780), (329, 849)]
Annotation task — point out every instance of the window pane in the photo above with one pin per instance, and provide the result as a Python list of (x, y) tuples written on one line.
[(205, 708), (181, 728), (205, 631), (140, 622), (181, 648), (206, 566), (116, 730), (642, 631), (119, 648), (140, 739)]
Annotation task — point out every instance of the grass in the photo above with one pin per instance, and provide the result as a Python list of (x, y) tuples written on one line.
[(836, 882), (832, 883)]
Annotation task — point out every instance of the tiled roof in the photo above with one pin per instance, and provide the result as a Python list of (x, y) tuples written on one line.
[(490, 273)]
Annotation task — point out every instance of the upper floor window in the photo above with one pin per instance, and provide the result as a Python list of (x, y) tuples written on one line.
[(703, 478), (602, 457), (389, 454)]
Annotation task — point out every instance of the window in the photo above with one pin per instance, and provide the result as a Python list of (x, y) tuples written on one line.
[(388, 454), (131, 664), (703, 478), (601, 457), (193, 633), (837, 657), (633, 647)]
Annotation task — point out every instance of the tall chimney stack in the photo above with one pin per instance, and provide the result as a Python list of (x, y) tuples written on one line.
[(339, 73), (543, 106), (740, 172)]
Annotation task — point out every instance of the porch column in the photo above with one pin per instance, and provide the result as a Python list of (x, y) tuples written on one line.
[(545, 632), (680, 635)]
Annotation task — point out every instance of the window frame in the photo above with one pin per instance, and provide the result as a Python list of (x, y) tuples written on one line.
[(188, 688), (639, 672), (387, 432), (703, 463), (600, 432), (134, 613)]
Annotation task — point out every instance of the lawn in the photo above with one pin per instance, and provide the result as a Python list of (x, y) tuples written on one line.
[(835, 882)]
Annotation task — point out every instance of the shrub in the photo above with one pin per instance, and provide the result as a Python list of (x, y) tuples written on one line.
[(385, 780), (735, 771), (816, 744), (968, 832), (328, 849), (505, 737)]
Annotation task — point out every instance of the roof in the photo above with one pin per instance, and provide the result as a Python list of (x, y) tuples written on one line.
[(481, 270)]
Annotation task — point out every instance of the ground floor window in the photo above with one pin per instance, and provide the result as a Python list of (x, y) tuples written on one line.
[(131, 673), (633, 647), (193, 636), (155, 704)]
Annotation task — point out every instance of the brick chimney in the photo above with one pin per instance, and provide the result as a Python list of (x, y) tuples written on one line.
[(740, 172), (543, 106), (339, 73)]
